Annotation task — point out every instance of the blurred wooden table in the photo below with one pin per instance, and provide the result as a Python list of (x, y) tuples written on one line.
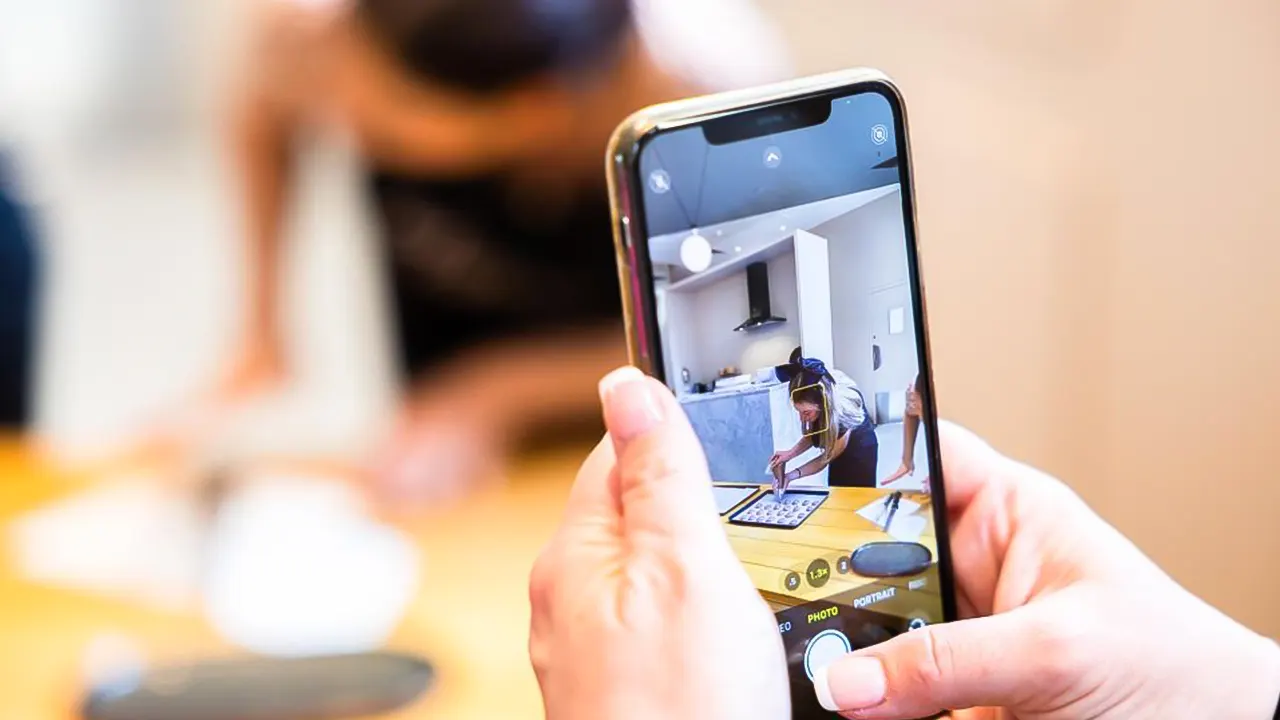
[(470, 617)]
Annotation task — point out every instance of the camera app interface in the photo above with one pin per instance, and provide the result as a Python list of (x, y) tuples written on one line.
[(788, 330)]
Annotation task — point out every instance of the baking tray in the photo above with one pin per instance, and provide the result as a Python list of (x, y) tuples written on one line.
[(749, 491), (747, 515)]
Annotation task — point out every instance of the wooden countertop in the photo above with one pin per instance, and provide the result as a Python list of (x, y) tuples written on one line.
[(832, 532), (470, 617)]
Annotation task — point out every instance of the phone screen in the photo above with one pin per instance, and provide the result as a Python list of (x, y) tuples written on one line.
[(787, 318)]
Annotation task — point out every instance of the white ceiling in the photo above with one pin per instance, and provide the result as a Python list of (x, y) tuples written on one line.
[(761, 230)]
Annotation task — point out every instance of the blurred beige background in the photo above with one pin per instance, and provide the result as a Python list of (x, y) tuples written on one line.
[(1099, 208)]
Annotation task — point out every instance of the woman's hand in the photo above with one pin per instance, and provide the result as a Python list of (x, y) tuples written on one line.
[(779, 459), (450, 439), (640, 609), (781, 479), (1070, 620), (908, 467)]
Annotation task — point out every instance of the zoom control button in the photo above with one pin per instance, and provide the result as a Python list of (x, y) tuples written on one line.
[(792, 581)]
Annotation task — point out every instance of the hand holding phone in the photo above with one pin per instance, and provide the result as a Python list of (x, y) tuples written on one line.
[(1116, 639), (796, 198), (640, 609)]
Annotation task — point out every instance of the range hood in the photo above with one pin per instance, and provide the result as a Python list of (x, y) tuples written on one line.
[(758, 299)]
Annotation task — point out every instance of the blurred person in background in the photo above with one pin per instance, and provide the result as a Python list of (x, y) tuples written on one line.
[(17, 304), (482, 124)]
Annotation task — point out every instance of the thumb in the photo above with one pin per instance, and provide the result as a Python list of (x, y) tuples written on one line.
[(988, 661), (662, 482)]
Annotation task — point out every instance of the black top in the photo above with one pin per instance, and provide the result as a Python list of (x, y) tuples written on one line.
[(485, 46), (856, 466), (468, 264), (18, 278)]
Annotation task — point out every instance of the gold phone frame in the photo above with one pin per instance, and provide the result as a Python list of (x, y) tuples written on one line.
[(626, 198), (624, 153)]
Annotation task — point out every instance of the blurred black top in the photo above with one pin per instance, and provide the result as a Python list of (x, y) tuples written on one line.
[(483, 46), (469, 267), (17, 304), (468, 262)]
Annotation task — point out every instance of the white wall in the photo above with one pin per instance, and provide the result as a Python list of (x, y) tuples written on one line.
[(813, 280), (868, 253), (707, 341)]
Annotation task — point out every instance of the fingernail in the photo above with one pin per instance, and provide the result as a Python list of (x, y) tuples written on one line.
[(631, 407), (850, 683), (822, 686)]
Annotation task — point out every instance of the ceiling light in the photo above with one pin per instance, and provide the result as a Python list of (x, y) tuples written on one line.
[(695, 253)]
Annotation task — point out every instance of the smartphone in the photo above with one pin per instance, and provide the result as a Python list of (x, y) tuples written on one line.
[(766, 244)]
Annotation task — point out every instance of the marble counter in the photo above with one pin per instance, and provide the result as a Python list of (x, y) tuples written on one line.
[(727, 392), (736, 430)]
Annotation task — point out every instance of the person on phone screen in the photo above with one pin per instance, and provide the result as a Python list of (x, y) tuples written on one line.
[(481, 125), (911, 420), (833, 419)]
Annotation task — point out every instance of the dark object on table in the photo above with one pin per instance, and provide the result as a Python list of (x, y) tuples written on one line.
[(893, 502), (890, 559), (318, 688), (18, 292), (888, 509)]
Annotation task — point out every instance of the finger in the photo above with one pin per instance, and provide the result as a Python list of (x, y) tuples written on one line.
[(594, 497), (988, 661), (664, 488), (968, 464)]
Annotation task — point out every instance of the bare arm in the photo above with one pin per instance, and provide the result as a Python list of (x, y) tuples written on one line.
[(522, 384), (261, 139), (816, 465), (910, 429), (802, 445), (778, 463), (407, 123)]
